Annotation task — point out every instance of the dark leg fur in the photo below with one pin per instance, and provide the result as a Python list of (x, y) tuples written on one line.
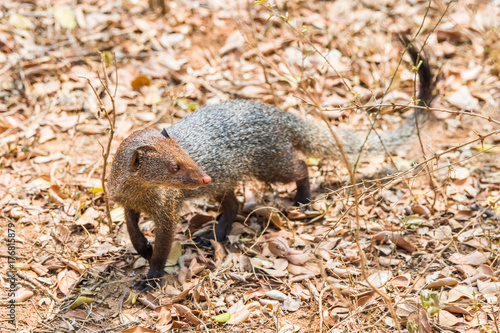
[(163, 243), (229, 210), (303, 195), (140, 242), (301, 178)]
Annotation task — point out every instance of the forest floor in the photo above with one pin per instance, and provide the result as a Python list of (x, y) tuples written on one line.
[(417, 252)]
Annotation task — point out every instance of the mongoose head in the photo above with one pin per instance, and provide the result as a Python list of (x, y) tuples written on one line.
[(148, 159)]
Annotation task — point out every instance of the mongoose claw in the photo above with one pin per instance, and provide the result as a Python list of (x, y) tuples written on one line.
[(146, 284)]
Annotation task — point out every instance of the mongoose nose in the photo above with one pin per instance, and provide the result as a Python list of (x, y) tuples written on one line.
[(206, 180)]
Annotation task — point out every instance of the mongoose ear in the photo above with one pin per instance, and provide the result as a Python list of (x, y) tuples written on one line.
[(165, 134), (138, 157)]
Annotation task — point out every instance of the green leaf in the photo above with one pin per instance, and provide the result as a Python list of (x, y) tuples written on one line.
[(80, 300), (186, 104), (95, 190), (222, 318), (20, 22), (313, 160), (65, 16)]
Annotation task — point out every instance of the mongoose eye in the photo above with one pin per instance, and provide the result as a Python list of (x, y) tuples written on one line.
[(175, 168)]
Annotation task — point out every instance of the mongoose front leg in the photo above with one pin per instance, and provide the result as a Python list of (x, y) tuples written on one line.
[(164, 235), (140, 242), (229, 210)]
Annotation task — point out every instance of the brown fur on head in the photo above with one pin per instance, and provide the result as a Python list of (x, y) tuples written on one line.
[(149, 159)]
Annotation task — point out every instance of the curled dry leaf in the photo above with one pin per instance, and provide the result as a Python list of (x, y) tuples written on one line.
[(401, 281), (488, 287), (421, 210), (405, 309), (278, 247), (297, 257), (380, 278), (148, 300), (182, 295), (271, 214), (445, 282), (118, 215), (475, 258), (219, 251), (367, 299), (76, 265), (395, 238), (456, 309), (17, 213), (269, 306), (468, 270), (486, 270), (388, 261), (138, 329), (309, 268), (460, 291), (289, 328), (273, 272), (140, 262), (299, 290), (420, 320), (23, 294), (77, 314), (163, 315), (243, 314), (447, 319), (61, 233), (39, 269), (254, 294), (184, 275), (291, 304), (276, 294), (179, 324), (66, 280), (343, 273), (296, 214), (195, 267), (186, 313)]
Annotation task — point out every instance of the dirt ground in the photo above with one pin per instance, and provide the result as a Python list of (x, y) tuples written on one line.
[(420, 254)]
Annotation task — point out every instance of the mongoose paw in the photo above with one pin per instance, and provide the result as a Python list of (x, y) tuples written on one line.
[(302, 207), (146, 284), (204, 239)]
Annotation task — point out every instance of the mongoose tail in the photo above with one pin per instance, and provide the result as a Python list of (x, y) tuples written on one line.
[(149, 170), (324, 146)]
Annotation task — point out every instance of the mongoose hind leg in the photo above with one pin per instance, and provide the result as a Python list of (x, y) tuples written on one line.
[(303, 195), (229, 207), (140, 242), (299, 175)]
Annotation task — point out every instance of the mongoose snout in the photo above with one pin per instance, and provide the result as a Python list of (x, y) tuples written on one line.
[(206, 180)]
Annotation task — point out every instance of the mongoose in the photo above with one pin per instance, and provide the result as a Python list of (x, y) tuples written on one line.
[(209, 152)]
